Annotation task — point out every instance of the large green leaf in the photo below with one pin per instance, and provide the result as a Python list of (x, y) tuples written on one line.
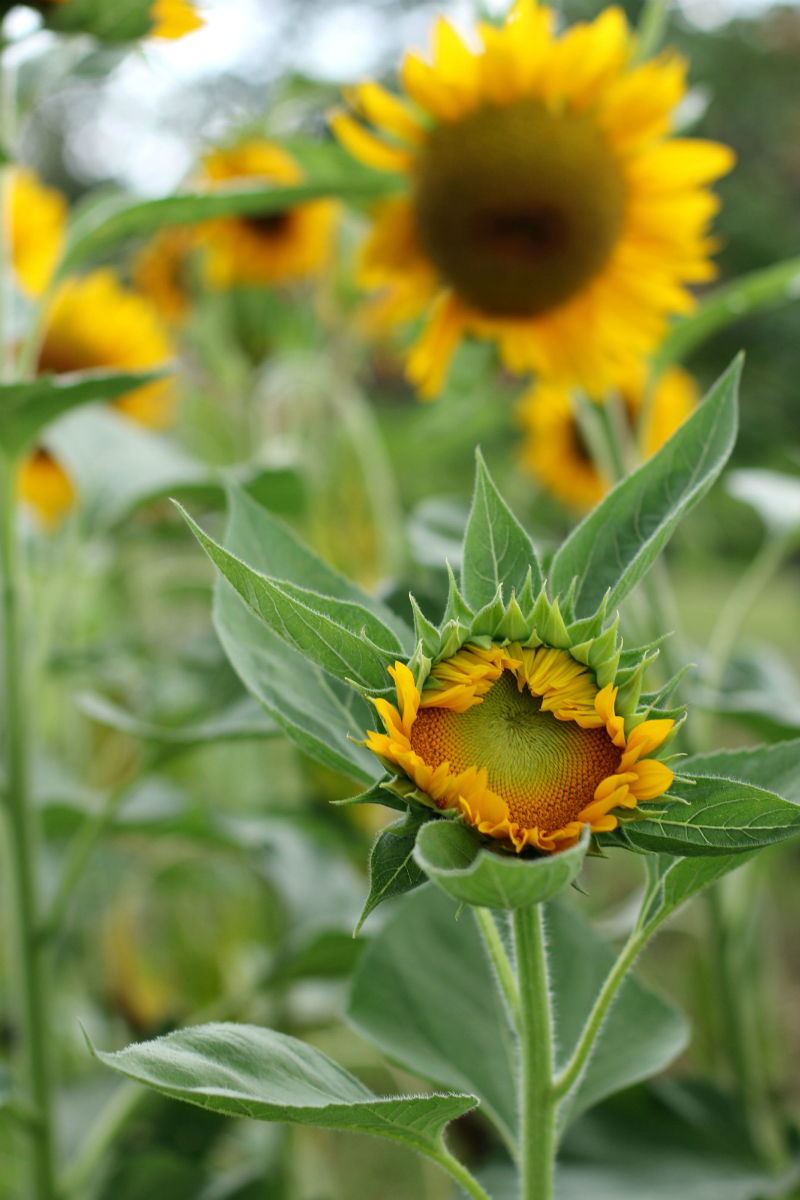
[(122, 21), (343, 650), (673, 881), (425, 994), (497, 550), (119, 217), (271, 547), (246, 1071), (243, 719), (720, 817), (615, 546), (453, 856), (774, 767), (393, 868), (25, 408)]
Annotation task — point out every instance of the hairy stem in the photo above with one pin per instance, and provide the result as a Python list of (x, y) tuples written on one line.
[(497, 953), (537, 1102), (31, 968), (459, 1172)]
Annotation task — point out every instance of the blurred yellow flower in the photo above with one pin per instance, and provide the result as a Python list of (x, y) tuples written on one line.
[(276, 247), (38, 223), (555, 453), (173, 18), (548, 208), (44, 485), (96, 322), (159, 272)]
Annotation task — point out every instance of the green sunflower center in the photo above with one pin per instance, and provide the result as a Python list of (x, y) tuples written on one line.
[(519, 208), (545, 770)]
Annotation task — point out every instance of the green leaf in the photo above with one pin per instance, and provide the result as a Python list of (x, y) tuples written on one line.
[(118, 465), (244, 719), (497, 550), (120, 217), (122, 21), (721, 817), (25, 408), (341, 650), (768, 287), (676, 880), (271, 547), (393, 870), (425, 995), (330, 955), (454, 857), (615, 546), (774, 767), (256, 1073)]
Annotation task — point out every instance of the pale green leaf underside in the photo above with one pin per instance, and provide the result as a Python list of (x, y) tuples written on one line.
[(453, 856), (249, 1071), (615, 546)]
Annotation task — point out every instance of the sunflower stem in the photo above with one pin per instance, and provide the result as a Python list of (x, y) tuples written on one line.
[(537, 1101), (502, 966), (22, 833), (651, 28)]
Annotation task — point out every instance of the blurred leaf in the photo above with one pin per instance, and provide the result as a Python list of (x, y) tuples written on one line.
[(244, 719), (721, 816), (425, 994), (118, 465), (774, 767), (497, 550), (119, 217), (766, 288), (246, 1071), (435, 532), (615, 546), (270, 546), (122, 21), (25, 408), (760, 689), (775, 497), (455, 858), (341, 649), (329, 955), (393, 870), (676, 880)]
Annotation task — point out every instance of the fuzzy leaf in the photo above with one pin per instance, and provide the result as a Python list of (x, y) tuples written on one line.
[(497, 550), (393, 870), (25, 408), (247, 1071), (676, 880), (721, 817), (336, 648), (615, 546), (454, 857), (774, 767)]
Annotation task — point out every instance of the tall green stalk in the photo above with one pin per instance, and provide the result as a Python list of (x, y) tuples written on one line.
[(537, 1102), (31, 969)]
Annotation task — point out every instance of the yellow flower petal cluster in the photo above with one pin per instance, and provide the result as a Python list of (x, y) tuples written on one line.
[(554, 451), (43, 484), (159, 272), (276, 247), (521, 744), (174, 18), (547, 206), (38, 225)]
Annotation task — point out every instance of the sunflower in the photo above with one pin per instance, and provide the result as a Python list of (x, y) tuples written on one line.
[(547, 208), (521, 743), (554, 451), (159, 272), (96, 322), (273, 248), (38, 223), (43, 484)]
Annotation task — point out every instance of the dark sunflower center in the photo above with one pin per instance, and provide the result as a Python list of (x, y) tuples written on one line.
[(545, 770), (270, 224), (579, 446), (519, 208)]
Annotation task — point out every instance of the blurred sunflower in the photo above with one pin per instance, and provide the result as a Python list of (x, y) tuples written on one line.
[(173, 18), (38, 223), (159, 272), (548, 208), (169, 19), (521, 743), (95, 322), (554, 451), (276, 247)]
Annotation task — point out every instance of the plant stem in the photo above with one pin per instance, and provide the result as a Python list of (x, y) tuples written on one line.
[(537, 1102), (652, 23), (23, 841), (459, 1172), (101, 1137), (497, 953)]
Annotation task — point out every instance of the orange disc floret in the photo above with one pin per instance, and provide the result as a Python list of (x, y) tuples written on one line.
[(521, 744)]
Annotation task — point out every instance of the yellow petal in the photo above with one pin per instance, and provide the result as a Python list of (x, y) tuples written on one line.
[(366, 147), (653, 778), (387, 112)]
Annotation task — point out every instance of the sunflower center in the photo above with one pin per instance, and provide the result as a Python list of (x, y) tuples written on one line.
[(518, 207), (545, 770), (270, 224)]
